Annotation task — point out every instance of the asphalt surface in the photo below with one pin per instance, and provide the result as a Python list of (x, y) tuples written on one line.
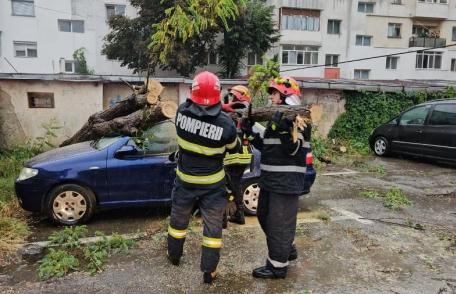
[(364, 247)]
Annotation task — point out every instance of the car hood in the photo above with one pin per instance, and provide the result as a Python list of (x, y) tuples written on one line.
[(61, 153)]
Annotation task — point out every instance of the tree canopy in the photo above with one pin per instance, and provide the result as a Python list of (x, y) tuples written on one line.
[(177, 35)]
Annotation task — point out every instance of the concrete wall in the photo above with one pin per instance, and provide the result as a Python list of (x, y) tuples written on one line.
[(73, 104), (325, 105), (113, 93)]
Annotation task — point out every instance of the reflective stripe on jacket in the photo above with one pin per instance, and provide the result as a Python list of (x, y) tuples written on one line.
[(204, 134)]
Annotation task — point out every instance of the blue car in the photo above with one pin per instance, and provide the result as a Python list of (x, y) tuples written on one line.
[(69, 184)]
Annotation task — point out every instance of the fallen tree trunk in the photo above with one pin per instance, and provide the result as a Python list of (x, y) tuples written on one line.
[(142, 109)]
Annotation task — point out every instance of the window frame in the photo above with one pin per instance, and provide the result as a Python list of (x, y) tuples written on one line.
[(30, 97), (365, 5), (389, 65), (427, 107), (304, 52), (26, 44), (429, 57), (453, 64), (331, 63), (363, 40), (361, 71), (396, 29), (26, 1), (309, 23), (115, 6), (333, 26)]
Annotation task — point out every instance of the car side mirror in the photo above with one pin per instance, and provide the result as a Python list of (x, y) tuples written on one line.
[(126, 150)]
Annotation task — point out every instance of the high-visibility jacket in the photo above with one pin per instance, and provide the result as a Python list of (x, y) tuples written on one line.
[(243, 157), (204, 134), (283, 161)]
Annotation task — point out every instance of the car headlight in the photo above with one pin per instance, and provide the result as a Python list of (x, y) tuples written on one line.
[(27, 173)]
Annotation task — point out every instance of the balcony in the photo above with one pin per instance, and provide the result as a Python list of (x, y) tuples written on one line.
[(305, 4), (432, 10), (426, 42)]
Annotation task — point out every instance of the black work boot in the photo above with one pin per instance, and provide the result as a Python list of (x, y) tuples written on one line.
[(238, 217), (270, 272), (208, 278), (293, 253), (173, 260)]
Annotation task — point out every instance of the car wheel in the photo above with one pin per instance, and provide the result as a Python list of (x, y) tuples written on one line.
[(381, 146), (251, 194), (71, 204)]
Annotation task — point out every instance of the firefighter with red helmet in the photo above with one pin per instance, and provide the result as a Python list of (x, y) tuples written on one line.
[(283, 167), (204, 134), (238, 98)]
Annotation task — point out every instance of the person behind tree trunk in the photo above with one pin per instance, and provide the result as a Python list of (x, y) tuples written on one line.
[(204, 134), (283, 167), (238, 98)]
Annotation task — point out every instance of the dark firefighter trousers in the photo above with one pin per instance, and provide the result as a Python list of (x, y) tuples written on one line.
[(235, 173), (212, 203), (277, 215)]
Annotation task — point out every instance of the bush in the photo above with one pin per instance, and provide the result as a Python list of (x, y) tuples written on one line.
[(57, 263)]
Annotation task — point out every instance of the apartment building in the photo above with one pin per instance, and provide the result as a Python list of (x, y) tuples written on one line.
[(319, 32), (40, 36)]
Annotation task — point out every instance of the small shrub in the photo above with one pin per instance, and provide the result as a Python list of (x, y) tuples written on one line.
[(395, 199), (69, 236), (57, 263)]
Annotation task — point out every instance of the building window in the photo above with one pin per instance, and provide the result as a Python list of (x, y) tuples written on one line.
[(40, 99), (391, 62), (115, 9), (435, 1), (396, 2), (363, 40), (25, 49), (334, 26), (453, 35), (23, 7), (394, 30), (362, 74), (299, 54), (253, 58), (453, 65), (366, 7), (69, 66), (332, 60), (428, 59), (75, 26), (300, 19)]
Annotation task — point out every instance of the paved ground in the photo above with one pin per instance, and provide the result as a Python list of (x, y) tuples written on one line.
[(364, 248)]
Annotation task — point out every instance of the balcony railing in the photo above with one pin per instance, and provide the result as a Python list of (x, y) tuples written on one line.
[(426, 42), (306, 4)]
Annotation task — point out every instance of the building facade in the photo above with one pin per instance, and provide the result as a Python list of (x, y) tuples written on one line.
[(328, 32)]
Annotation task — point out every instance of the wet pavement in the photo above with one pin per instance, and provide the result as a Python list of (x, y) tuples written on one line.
[(364, 248)]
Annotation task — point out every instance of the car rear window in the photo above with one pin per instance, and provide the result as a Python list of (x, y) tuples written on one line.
[(443, 115)]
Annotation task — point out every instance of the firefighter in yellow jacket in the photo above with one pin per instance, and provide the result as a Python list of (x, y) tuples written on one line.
[(204, 134), (238, 98)]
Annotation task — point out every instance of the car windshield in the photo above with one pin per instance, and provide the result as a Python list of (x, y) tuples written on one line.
[(103, 142)]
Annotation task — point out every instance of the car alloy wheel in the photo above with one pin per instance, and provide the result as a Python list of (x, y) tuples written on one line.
[(69, 206), (251, 196), (380, 146)]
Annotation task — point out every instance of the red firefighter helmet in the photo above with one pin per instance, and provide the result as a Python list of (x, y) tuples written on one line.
[(285, 85), (206, 89), (242, 93)]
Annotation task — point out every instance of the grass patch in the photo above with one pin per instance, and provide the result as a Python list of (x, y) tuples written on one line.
[(13, 233), (320, 214), (369, 194), (395, 199), (73, 255)]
